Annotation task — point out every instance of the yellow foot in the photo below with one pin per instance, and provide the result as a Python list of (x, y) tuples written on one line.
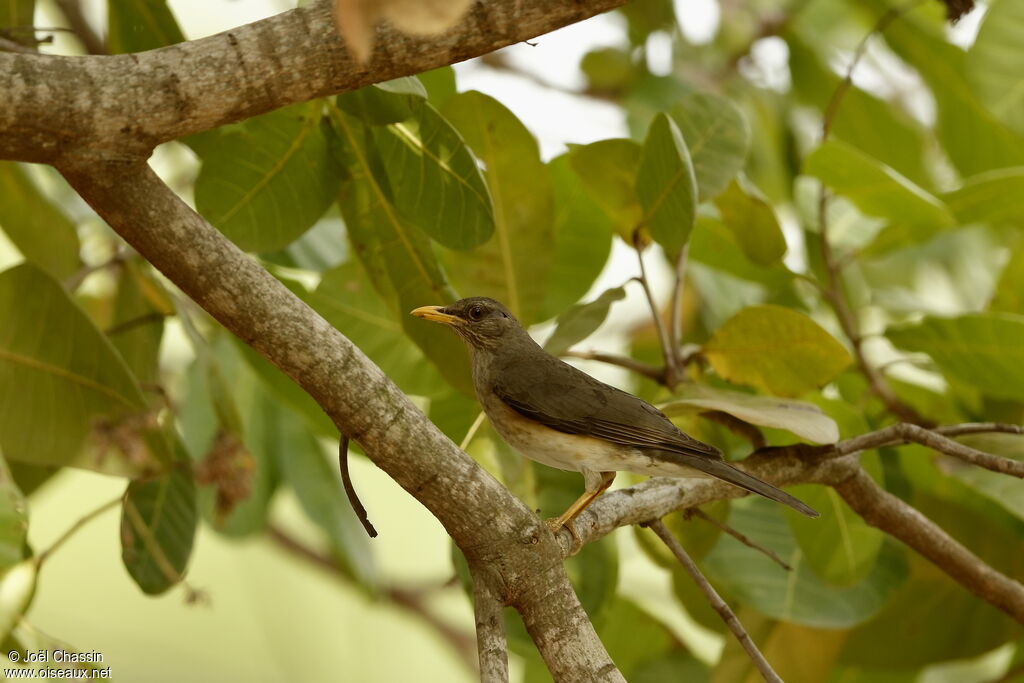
[(555, 524)]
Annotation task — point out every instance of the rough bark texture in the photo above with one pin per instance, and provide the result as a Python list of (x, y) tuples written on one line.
[(881, 509), (121, 106), (491, 526), (96, 118)]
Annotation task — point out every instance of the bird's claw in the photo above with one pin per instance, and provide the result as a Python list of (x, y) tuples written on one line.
[(555, 524)]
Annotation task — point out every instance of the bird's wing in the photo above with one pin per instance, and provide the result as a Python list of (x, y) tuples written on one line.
[(563, 398)]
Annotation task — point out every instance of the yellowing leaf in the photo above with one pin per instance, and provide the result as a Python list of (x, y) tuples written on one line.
[(775, 349)]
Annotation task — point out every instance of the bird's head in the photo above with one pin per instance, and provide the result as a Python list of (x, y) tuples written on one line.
[(480, 321)]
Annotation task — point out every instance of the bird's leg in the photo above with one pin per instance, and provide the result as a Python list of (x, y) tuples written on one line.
[(581, 504)]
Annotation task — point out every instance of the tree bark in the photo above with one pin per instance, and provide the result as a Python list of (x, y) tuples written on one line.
[(121, 106), (490, 525)]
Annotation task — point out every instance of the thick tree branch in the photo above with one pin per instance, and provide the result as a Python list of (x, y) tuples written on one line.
[(121, 106), (655, 498), (881, 509), (834, 466), (491, 643), (489, 524)]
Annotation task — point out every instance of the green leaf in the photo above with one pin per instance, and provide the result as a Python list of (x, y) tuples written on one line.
[(435, 180), (439, 84), (347, 300), (608, 169), (399, 259), (983, 350), (752, 221), (799, 595), (637, 642), (138, 323), (715, 245), (776, 349), (666, 185), (717, 137), (384, 103), (268, 180), (581, 321), (1009, 294), (802, 419), (158, 525), (839, 546), (975, 140), (13, 520), (514, 266), (875, 188), (18, 13), (995, 64), (140, 25), (316, 483), (66, 377), (40, 231), (583, 239), (880, 129), (991, 198)]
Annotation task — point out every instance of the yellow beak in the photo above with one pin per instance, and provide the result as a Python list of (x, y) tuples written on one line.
[(435, 314)]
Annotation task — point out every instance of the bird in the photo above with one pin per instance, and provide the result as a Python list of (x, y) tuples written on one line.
[(557, 415)]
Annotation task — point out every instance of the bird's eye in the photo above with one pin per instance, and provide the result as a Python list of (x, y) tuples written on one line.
[(476, 312)]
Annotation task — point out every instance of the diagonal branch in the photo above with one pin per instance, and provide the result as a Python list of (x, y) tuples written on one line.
[(190, 87), (881, 509), (491, 642), (488, 523), (719, 605)]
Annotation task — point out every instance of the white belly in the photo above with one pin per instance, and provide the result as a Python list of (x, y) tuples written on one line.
[(574, 452)]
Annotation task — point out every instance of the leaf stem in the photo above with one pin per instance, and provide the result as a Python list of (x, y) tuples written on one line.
[(671, 368), (834, 291)]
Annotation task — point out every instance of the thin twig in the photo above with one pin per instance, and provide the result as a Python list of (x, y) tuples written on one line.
[(412, 599), (74, 528), (350, 490), (473, 429), (491, 642), (675, 328), (72, 11), (742, 538), (716, 601), (978, 428), (835, 292), (138, 321), (883, 510), (12, 46), (79, 276), (669, 353), (905, 433), (639, 367), (736, 426)]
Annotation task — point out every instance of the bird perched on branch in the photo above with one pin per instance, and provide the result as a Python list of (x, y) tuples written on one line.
[(559, 416)]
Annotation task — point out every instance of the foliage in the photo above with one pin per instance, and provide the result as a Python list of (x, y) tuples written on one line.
[(405, 194)]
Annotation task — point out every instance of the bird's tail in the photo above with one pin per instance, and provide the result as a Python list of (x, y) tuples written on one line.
[(726, 472)]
